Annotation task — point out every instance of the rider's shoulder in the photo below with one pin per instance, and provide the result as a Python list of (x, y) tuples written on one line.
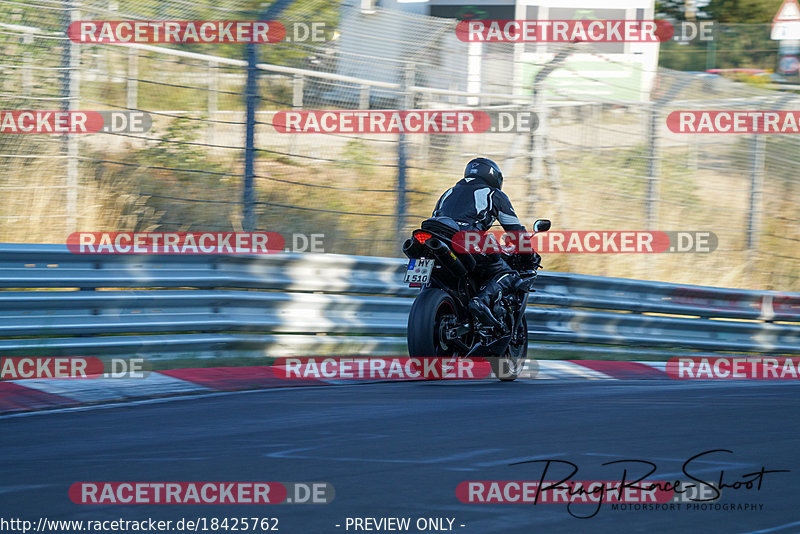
[(499, 194)]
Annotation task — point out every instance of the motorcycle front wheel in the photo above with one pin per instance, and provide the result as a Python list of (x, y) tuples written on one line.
[(507, 368)]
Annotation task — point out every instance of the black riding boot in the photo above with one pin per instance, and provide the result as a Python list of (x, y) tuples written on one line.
[(494, 289)]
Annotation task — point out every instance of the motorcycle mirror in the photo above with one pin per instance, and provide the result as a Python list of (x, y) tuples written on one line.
[(541, 225)]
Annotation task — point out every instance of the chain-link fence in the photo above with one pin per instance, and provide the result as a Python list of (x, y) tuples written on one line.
[(603, 161)]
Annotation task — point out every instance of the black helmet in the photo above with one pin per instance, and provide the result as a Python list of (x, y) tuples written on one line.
[(487, 170)]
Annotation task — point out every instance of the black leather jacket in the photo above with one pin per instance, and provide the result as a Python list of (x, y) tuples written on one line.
[(475, 205)]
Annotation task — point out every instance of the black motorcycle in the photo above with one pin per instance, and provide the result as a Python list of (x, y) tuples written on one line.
[(440, 323)]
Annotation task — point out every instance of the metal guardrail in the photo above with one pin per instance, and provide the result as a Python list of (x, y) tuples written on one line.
[(170, 306)]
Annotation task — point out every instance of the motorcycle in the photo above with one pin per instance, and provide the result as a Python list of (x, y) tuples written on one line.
[(440, 323)]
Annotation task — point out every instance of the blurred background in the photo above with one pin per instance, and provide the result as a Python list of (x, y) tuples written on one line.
[(602, 158)]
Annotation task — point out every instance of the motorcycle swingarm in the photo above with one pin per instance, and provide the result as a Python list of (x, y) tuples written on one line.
[(453, 335), (495, 348)]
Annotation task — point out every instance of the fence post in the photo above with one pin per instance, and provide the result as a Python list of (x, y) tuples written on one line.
[(27, 72), (298, 83), (539, 136), (248, 194), (537, 143), (757, 158), (251, 99), (653, 166), (363, 97), (212, 100), (406, 101), (70, 92), (474, 67), (133, 76)]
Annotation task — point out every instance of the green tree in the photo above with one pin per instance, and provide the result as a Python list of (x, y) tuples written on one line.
[(724, 11), (742, 11), (672, 9)]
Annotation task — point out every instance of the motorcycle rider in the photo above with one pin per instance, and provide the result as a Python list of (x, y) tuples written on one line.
[(475, 202)]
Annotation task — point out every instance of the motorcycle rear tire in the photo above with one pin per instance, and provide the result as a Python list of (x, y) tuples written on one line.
[(424, 324)]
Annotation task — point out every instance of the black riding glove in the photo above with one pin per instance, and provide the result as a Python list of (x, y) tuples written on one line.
[(532, 261)]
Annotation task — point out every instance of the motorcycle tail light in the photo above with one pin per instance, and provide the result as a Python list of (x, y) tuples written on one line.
[(421, 236)]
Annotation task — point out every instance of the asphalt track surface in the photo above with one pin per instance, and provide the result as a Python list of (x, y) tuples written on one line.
[(400, 449)]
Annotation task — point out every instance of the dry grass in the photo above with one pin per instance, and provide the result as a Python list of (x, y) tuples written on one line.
[(598, 192)]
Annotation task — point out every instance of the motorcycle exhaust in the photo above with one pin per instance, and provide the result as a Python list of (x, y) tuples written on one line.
[(469, 261), (446, 257), (413, 249)]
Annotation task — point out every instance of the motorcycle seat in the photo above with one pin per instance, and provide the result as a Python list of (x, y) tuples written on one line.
[(442, 226)]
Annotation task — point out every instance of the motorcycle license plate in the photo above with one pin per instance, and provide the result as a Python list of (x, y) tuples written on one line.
[(419, 272)]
